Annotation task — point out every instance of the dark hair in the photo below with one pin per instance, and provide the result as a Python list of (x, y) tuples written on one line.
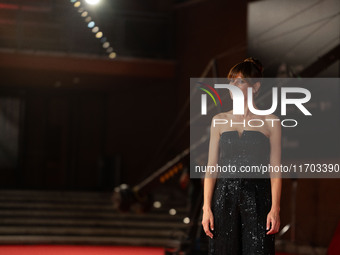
[(249, 68)]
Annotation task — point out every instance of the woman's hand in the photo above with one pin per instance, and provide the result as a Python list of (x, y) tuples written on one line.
[(208, 222), (273, 221)]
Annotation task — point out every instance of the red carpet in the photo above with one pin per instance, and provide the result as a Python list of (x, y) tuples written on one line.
[(82, 250), (78, 250)]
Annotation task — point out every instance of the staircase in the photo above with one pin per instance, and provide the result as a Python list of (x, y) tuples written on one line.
[(64, 217)]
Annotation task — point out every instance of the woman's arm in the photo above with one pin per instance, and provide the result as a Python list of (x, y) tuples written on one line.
[(210, 178), (273, 218)]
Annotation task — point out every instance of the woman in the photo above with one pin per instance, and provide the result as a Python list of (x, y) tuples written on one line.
[(241, 215)]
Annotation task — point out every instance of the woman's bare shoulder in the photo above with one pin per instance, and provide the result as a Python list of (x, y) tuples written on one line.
[(273, 124), (271, 117), (223, 115)]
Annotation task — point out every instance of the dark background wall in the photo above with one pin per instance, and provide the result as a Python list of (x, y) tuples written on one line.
[(79, 118), (208, 32), (90, 135)]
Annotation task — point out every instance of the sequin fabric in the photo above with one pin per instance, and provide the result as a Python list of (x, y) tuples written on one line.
[(240, 205)]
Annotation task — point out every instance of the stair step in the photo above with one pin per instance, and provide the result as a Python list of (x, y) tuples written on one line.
[(153, 215), (64, 217), (39, 193), (103, 240), (92, 223), (71, 197), (19, 230), (76, 207)]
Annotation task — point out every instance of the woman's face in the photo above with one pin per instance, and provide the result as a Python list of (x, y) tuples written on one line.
[(239, 82)]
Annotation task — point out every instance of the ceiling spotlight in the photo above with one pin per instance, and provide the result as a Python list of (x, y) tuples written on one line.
[(92, 1), (106, 45), (157, 204), (91, 24), (88, 19), (99, 35), (186, 220), (103, 40), (113, 55), (95, 29), (109, 50), (77, 4), (172, 211)]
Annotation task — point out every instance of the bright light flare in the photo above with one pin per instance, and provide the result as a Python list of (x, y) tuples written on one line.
[(91, 24), (77, 4), (99, 35), (113, 55), (92, 2)]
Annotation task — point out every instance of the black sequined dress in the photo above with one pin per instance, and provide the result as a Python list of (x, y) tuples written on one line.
[(240, 205)]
